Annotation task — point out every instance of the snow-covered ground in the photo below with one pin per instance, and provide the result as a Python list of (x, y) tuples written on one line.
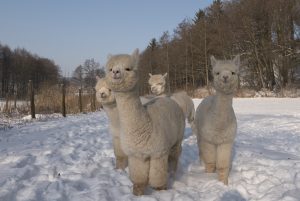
[(71, 159)]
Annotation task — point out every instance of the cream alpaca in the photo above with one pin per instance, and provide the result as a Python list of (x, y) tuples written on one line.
[(158, 83), (106, 97), (151, 133), (215, 119)]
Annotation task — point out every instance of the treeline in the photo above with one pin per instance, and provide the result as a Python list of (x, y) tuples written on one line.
[(85, 75), (266, 33), (18, 66)]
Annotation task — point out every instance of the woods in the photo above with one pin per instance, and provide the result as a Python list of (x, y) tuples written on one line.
[(265, 33), (18, 66)]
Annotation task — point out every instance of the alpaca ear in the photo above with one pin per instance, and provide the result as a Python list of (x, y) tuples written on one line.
[(236, 60), (165, 75), (97, 78), (213, 61), (135, 56), (108, 57), (150, 74)]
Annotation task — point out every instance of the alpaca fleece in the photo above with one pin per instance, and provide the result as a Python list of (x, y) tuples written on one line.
[(215, 120), (151, 133), (107, 99)]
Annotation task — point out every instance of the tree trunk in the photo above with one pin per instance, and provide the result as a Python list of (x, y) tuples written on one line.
[(80, 100), (31, 98), (63, 100)]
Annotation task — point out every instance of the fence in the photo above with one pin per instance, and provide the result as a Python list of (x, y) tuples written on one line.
[(48, 99)]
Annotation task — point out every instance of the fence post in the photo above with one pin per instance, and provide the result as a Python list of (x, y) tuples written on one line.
[(15, 99), (31, 98), (6, 103), (63, 100), (93, 100), (80, 100)]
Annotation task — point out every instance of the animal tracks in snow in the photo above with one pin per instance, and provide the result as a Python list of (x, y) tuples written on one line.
[(71, 159)]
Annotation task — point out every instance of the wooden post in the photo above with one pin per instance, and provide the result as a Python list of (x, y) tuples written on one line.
[(93, 100), (80, 100), (15, 100), (6, 103), (63, 100), (31, 98)]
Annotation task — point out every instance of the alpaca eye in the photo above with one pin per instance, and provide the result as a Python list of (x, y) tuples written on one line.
[(110, 69), (233, 73), (109, 90), (217, 73), (127, 69)]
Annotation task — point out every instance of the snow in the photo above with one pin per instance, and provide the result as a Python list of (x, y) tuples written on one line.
[(71, 159)]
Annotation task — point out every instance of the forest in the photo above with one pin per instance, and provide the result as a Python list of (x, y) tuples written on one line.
[(266, 33), (19, 66)]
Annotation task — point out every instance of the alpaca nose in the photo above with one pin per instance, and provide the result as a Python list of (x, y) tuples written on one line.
[(225, 77), (116, 71), (102, 95)]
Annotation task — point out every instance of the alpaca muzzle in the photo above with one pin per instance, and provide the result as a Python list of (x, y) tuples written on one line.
[(225, 79), (103, 95)]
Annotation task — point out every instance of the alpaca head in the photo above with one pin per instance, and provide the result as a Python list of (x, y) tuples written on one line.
[(103, 93), (157, 83), (225, 73), (122, 71)]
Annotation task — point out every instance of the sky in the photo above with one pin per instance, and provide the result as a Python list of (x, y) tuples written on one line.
[(71, 31)]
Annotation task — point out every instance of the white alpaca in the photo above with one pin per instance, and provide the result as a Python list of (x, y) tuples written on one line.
[(158, 84), (105, 96), (151, 133), (215, 120)]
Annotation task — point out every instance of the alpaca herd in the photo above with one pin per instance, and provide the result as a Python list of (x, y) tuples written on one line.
[(147, 135)]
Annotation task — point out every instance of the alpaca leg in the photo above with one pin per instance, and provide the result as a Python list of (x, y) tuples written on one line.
[(191, 116), (174, 157), (223, 161), (121, 162), (158, 174), (138, 173), (121, 158), (208, 155)]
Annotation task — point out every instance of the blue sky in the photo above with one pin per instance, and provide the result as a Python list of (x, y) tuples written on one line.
[(71, 31)]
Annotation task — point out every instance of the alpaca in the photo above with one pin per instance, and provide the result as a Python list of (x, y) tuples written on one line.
[(215, 120), (105, 96), (151, 133), (158, 82)]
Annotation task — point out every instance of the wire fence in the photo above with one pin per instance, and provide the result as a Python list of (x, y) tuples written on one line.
[(49, 99)]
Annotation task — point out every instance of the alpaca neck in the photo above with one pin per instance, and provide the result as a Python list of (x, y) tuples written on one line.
[(112, 113), (162, 92), (222, 105), (134, 118)]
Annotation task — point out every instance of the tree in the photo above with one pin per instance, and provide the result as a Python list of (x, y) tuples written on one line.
[(78, 75), (90, 67), (86, 74)]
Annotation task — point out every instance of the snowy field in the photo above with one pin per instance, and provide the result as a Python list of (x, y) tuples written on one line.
[(72, 159)]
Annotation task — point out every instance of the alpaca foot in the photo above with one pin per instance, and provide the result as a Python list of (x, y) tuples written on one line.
[(164, 187), (223, 175), (210, 167), (121, 163), (138, 189)]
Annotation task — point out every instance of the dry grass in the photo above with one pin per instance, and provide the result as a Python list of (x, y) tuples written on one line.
[(49, 100)]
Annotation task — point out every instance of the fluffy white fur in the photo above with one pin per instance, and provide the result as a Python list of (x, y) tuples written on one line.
[(151, 133), (105, 96), (158, 84), (215, 119)]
